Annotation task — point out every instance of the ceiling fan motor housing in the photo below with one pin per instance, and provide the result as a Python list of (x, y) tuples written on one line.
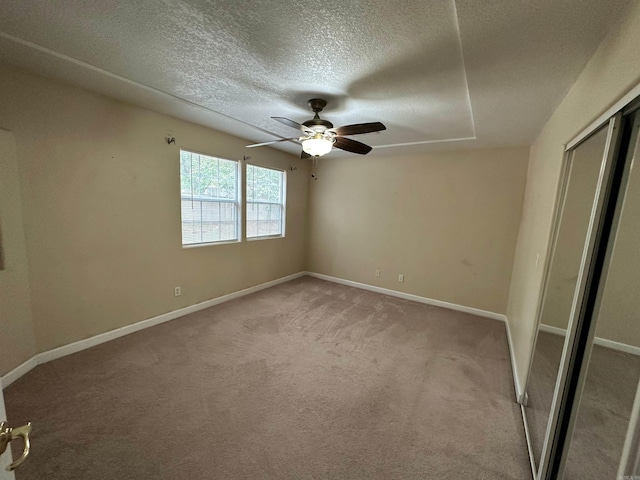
[(317, 104)]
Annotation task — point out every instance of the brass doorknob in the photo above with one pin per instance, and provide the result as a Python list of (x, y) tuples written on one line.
[(8, 434)]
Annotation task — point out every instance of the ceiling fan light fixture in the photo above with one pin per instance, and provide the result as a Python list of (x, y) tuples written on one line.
[(319, 137), (317, 146)]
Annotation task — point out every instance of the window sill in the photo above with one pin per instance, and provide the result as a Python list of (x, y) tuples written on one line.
[(264, 237), (209, 244)]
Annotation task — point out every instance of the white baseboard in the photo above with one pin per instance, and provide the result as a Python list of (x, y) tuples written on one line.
[(603, 342), (437, 303), (555, 330), (622, 347), (80, 345), (19, 371), (409, 296)]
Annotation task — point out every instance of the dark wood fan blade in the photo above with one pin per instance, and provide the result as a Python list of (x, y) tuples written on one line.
[(358, 128), (272, 142), (304, 155), (292, 124), (351, 146)]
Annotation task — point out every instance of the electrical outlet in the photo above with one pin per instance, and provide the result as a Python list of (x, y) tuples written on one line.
[(401, 278), (377, 273), (177, 292)]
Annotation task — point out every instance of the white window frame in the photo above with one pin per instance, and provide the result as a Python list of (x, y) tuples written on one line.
[(237, 203), (283, 204)]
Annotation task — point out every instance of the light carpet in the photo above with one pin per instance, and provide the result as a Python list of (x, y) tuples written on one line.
[(308, 379)]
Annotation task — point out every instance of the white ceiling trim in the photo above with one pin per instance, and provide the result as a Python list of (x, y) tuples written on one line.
[(120, 78), (466, 82), (425, 142)]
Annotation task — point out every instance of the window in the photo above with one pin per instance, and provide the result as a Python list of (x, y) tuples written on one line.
[(265, 202), (209, 197)]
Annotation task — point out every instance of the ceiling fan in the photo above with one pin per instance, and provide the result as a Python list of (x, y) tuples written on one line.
[(319, 136)]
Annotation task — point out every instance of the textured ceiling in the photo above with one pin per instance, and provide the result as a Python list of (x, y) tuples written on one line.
[(466, 72)]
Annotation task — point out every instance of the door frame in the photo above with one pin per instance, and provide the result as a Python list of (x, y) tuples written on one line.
[(5, 459)]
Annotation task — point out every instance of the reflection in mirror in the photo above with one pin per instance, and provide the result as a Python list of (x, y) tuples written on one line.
[(570, 237), (610, 388)]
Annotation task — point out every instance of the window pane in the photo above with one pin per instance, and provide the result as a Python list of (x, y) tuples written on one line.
[(265, 201), (276, 220), (249, 182), (209, 196)]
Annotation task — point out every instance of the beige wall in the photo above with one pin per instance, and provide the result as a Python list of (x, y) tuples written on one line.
[(447, 221), (613, 70), (17, 343), (102, 212)]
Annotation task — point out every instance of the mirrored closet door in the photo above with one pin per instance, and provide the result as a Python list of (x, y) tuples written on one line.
[(583, 169), (606, 405), (583, 390)]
